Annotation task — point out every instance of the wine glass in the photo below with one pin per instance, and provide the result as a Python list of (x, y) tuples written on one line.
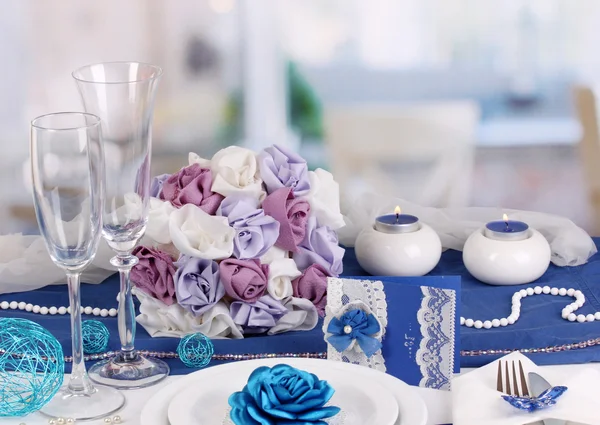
[(122, 95), (67, 164)]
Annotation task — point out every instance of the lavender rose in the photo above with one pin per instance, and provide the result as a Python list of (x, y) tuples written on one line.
[(153, 274), (191, 185), (244, 280), (197, 284), (157, 184), (256, 232), (292, 215), (312, 285), (259, 316), (280, 167), (320, 246)]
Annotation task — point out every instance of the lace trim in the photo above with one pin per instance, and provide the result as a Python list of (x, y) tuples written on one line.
[(435, 355), (342, 292)]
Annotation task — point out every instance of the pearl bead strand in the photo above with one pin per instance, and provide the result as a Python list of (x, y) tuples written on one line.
[(568, 312), (13, 305)]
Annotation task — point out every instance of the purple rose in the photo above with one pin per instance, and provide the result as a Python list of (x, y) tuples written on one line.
[(244, 280), (312, 285), (280, 167), (197, 284), (191, 185), (259, 316), (320, 246), (255, 231), (157, 184), (292, 215), (153, 274)]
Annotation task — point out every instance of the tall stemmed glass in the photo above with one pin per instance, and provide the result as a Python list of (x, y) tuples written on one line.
[(67, 165), (122, 95)]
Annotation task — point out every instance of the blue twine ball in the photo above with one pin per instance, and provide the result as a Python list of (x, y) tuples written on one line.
[(95, 336), (195, 350), (32, 367)]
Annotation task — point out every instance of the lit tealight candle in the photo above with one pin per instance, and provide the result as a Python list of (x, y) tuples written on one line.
[(397, 222), (507, 230)]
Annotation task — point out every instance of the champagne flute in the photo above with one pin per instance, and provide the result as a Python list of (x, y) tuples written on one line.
[(67, 164), (122, 95)]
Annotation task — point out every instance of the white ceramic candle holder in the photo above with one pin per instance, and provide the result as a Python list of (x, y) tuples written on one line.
[(506, 262), (413, 253)]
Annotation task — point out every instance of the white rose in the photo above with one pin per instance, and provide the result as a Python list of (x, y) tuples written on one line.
[(158, 221), (198, 234), (301, 316), (281, 274), (161, 320), (324, 199), (194, 158), (273, 254), (235, 171)]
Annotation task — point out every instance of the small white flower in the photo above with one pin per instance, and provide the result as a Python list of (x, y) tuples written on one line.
[(198, 234), (158, 221), (194, 158), (301, 316), (324, 199), (281, 273), (235, 171)]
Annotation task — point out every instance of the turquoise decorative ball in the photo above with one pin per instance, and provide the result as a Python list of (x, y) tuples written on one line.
[(195, 350), (32, 367), (95, 336)]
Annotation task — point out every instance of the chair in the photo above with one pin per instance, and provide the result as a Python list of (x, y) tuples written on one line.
[(589, 147), (420, 152)]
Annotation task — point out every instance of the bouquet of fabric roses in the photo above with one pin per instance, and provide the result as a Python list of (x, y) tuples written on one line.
[(239, 244)]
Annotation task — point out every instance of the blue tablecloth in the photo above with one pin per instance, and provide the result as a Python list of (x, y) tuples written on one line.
[(540, 324)]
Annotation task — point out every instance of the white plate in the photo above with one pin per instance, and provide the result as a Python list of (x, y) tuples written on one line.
[(411, 407), (361, 399)]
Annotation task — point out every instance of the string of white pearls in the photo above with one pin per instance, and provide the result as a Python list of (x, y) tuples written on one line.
[(14, 305), (568, 313)]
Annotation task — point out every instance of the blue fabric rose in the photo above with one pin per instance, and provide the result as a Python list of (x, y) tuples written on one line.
[(354, 325), (282, 395)]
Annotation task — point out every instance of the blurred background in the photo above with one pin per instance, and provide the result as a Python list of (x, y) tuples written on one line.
[(442, 102)]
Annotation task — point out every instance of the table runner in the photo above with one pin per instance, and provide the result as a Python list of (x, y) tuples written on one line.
[(540, 325)]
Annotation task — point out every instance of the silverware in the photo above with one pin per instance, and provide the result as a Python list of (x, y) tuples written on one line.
[(508, 388), (539, 385)]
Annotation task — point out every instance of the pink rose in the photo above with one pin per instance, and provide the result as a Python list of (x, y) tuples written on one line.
[(191, 185), (244, 280), (312, 285), (292, 215), (153, 274)]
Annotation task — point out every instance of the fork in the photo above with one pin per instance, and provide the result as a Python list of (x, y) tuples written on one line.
[(514, 388)]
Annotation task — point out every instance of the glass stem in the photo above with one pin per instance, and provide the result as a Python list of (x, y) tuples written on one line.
[(126, 315), (79, 381)]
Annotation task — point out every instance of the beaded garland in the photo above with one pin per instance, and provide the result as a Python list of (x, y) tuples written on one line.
[(34, 308), (568, 312)]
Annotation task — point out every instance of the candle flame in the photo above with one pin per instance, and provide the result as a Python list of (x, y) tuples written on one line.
[(504, 217), (397, 210)]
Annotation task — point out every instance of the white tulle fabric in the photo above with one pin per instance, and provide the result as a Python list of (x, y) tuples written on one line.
[(198, 234), (25, 265), (368, 295), (570, 244), (301, 316), (235, 171), (158, 221), (161, 320), (281, 273), (324, 199)]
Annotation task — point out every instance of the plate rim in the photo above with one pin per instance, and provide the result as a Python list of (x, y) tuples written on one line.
[(418, 414), (318, 370)]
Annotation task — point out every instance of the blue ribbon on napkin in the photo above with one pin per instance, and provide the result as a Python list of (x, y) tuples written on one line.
[(282, 395), (531, 404), (355, 325)]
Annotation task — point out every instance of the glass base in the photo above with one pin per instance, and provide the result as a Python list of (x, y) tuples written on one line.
[(129, 373), (102, 402)]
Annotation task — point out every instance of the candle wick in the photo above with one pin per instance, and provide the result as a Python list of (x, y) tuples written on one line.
[(397, 218)]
